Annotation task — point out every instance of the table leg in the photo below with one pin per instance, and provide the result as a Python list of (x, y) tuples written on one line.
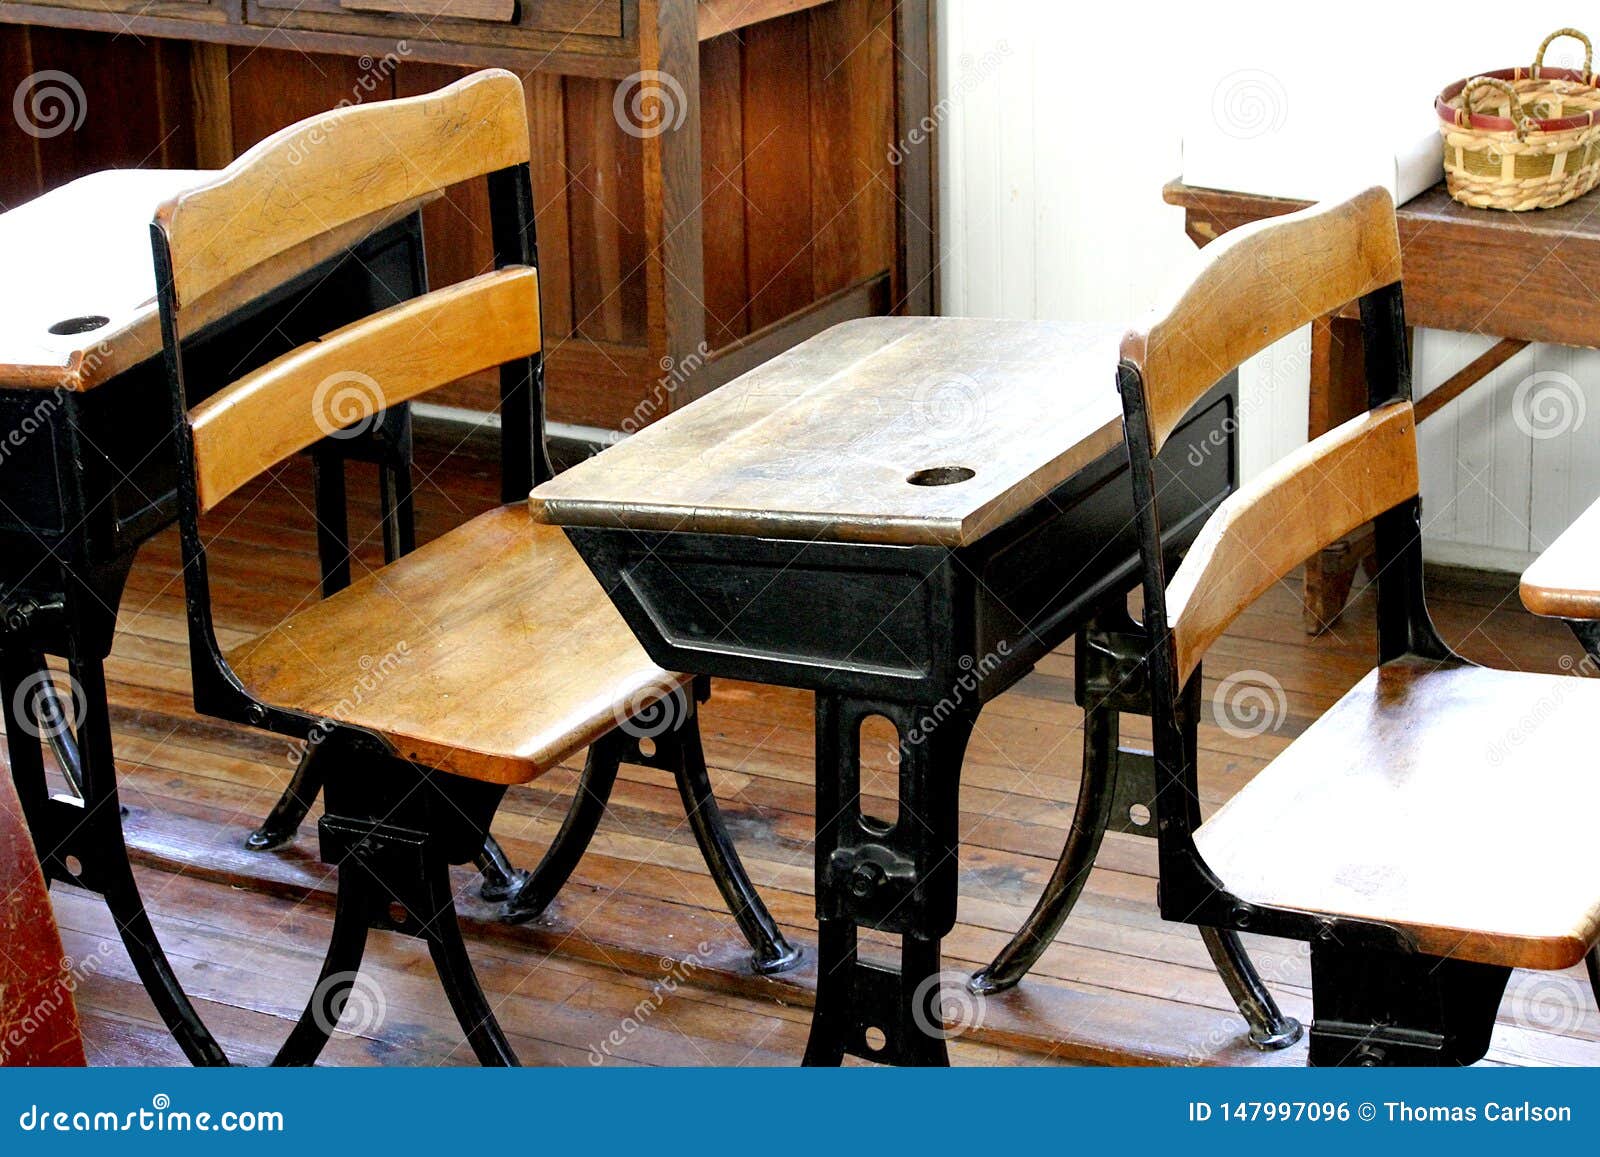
[(899, 878), (81, 840)]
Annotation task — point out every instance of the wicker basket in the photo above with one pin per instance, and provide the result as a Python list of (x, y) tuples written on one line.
[(1523, 138)]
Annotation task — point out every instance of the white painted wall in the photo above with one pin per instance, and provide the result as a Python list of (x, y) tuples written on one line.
[(1062, 122)]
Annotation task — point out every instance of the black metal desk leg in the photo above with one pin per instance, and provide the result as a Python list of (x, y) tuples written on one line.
[(1587, 632), (1096, 789), (90, 831), (1118, 782), (896, 878)]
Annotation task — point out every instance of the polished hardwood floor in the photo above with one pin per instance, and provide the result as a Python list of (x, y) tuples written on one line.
[(637, 962)]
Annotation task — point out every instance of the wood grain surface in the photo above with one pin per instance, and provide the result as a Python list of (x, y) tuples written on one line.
[(893, 430)]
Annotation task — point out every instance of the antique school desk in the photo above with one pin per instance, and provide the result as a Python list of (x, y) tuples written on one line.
[(87, 475), (902, 515), (1511, 275)]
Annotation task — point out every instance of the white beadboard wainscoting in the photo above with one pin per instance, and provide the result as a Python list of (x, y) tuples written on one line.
[(1059, 124)]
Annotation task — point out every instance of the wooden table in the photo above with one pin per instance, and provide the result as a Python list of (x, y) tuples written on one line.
[(902, 515), (713, 178), (1511, 275), (87, 475), (1564, 582)]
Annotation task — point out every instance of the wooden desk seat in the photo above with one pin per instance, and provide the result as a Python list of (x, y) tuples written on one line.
[(1564, 581), (492, 653), (1434, 799)]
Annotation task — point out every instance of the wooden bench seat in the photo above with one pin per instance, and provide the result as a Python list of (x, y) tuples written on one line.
[(1440, 800), (492, 653)]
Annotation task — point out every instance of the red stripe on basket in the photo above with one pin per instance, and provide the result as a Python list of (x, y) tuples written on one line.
[(1451, 115)]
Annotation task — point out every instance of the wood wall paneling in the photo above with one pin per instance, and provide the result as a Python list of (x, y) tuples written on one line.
[(780, 191), (124, 107), (777, 146), (606, 206), (20, 177), (852, 125), (722, 175)]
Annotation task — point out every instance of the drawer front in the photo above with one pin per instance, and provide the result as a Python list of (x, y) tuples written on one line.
[(567, 17), (203, 9)]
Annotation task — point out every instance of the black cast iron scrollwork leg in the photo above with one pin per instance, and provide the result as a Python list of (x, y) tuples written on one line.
[(1269, 1028), (340, 967), (577, 829), (897, 878), (1117, 784), (57, 724), (93, 834), (1095, 791), (283, 821), (392, 830), (682, 750)]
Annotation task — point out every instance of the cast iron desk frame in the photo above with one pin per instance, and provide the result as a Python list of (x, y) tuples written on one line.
[(945, 630)]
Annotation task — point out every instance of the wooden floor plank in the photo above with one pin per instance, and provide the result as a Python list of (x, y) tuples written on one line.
[(1119, 986)]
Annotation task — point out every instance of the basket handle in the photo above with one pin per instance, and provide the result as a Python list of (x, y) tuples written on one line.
[(1518, 116), (1588, 52)]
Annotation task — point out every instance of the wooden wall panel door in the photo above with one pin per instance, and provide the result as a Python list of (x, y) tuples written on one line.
[(722, 185), (547, 126), (777, 149), (605, 201), (20, 178), (273, 89), (119, 103), (852, 128)]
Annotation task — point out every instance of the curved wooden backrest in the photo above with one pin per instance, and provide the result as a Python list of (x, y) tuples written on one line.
[(352, 374), (1308, 499), (1255, 285), (326, 171)]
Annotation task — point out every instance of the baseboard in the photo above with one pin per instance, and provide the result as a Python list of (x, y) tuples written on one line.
[(459, 430), (1471, 556)]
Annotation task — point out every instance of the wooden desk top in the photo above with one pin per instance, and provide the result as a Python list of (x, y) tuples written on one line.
[(82, 251), (824, 441), (1564, 581), (1466, 270)]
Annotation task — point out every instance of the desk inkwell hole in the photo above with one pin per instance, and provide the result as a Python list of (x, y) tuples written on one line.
[(940, 476), (88, 323)]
